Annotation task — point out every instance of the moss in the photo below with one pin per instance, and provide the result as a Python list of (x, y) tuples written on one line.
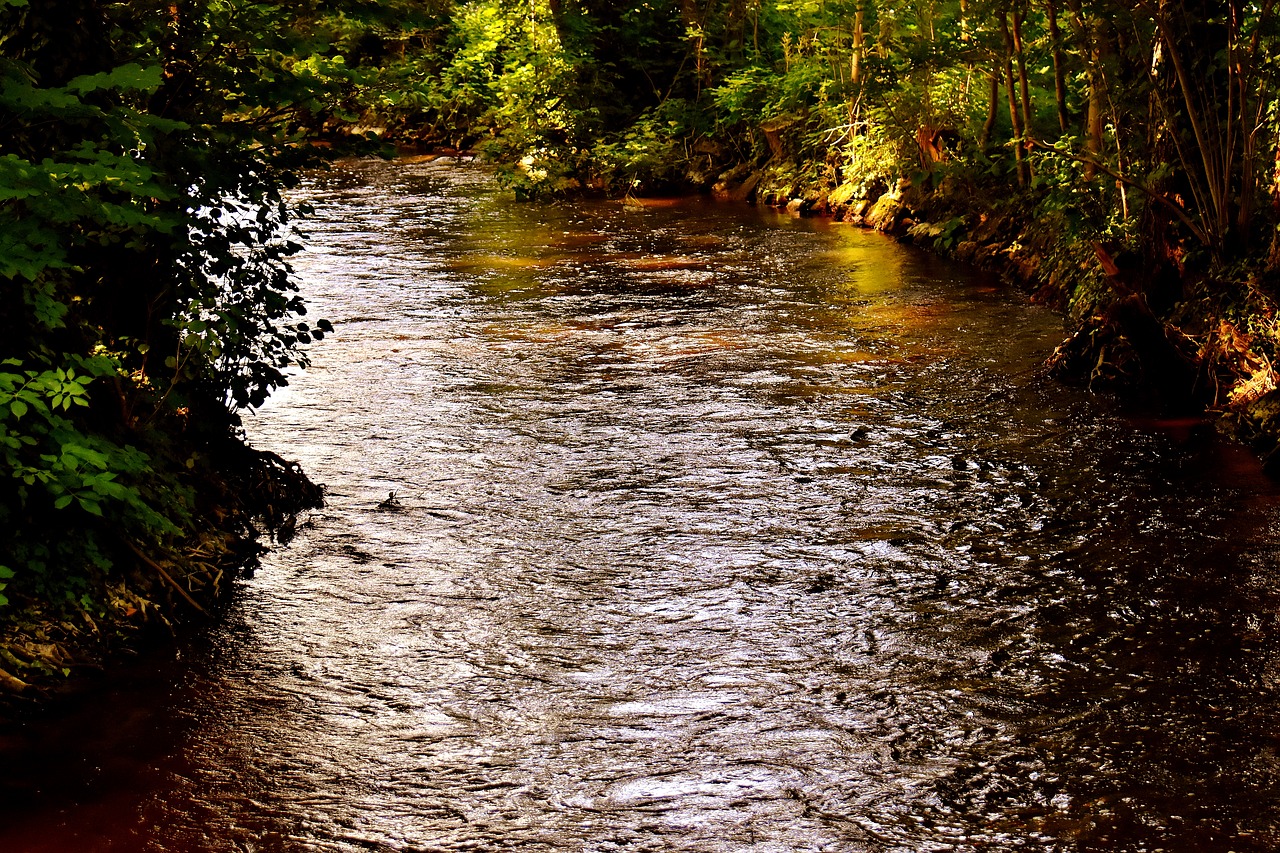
[(843, 194)]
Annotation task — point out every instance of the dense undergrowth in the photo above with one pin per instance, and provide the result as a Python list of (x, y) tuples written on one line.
[(147, 299)]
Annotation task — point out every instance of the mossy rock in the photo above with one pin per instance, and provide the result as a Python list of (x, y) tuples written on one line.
[(886, 213), (843, 194)]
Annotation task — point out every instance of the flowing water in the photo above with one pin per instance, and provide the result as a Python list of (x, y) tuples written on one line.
[(712, 530)]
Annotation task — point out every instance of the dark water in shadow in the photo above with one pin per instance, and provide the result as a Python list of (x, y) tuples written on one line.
[(716, 531)]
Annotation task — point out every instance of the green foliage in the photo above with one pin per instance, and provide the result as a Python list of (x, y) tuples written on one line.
[(654, 153), (144, 246), (55, 461)]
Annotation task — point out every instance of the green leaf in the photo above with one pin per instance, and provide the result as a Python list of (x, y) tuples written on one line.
[(18, 408), (63, 502), (130, 76)]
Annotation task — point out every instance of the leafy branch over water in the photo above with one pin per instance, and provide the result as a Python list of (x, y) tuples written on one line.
[(144, 270)]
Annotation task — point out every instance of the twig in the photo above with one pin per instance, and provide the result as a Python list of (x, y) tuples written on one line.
[(1177, 210), (153, 564)]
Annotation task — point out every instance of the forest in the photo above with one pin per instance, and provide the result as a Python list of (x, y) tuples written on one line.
[(1118, 160)]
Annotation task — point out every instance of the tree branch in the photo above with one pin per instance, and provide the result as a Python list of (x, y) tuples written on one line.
[(153, 564), (1177, 209)]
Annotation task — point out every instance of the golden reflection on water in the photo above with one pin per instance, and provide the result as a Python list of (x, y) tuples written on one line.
[(495, 262)]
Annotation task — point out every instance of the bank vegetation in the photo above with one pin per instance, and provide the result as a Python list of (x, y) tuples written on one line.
[(1119, 159)]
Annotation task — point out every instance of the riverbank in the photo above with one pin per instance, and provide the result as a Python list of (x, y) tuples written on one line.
[(1159, 332), (144, 600), (149, 303)]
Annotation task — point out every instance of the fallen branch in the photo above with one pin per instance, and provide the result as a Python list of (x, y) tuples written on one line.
[(12, 683), (153, 564)]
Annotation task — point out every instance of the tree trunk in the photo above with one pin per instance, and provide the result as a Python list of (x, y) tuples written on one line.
[(1024, 89), (691, 16), (1010, 82), (1089, 34), (993, 110), (1059, 70), (859, 45), (1252, 117)]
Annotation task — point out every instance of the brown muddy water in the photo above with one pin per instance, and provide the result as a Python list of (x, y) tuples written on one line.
[(715, 531)]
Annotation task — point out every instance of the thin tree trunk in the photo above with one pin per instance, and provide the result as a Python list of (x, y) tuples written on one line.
[(1088, 34), (1011, 90), (1275, 182), (691, 16), (1251, 118), (993, 110), (1212, 157), (1059, 69), (859, 44), (1024, 89)]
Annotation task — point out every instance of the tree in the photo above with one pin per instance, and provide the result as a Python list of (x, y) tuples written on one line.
[(144, 245)]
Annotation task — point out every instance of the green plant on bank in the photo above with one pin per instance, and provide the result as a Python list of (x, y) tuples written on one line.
[(144, 266), (658, 152), (511, 76), (577, 94)]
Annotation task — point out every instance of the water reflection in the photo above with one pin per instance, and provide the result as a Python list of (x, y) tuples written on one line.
[(718, 531)]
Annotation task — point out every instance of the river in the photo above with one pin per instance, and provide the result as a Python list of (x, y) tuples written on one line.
[(710, 529)]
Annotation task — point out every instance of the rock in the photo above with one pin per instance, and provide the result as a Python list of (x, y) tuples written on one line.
[(737, 185), (886, 213), (1023, 265), (842, 195), (986, 256)]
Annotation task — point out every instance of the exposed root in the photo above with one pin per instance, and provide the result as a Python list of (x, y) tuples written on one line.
[(1232, 359), (168, 578)]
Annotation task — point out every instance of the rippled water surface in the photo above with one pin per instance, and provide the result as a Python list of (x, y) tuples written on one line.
[(714, 531)]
